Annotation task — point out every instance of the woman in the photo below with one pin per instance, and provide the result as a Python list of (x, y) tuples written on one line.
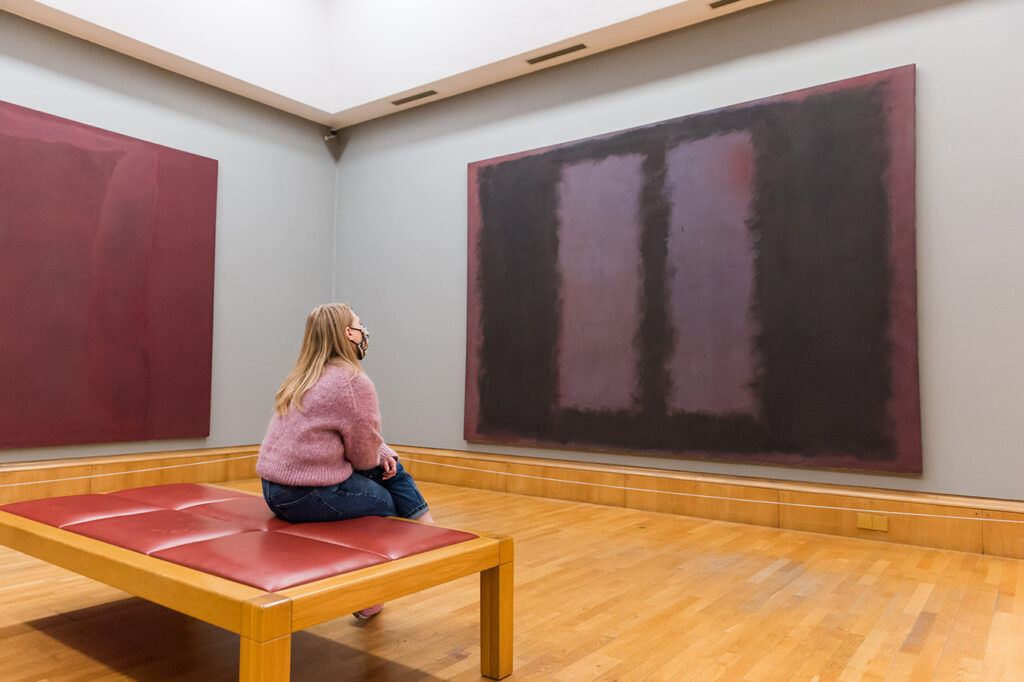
[(323, 458)]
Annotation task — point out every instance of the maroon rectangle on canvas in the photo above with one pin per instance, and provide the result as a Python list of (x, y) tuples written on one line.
[(106, 285)]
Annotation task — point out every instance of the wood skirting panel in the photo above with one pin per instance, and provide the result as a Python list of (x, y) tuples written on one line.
[(967, 524), (450, 469), (1001, 536), (52, 478), (943, 521), (937, 526), (705, 499), (577, 485)]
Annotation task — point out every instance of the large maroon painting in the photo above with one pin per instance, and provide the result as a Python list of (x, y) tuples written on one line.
[(732, 285), (106, 285)]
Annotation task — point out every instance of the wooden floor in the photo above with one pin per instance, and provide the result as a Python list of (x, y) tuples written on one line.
[(602, 593)]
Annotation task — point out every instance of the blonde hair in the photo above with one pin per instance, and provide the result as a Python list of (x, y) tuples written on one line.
[(323, 343)]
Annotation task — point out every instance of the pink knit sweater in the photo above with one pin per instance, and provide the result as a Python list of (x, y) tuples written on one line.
[(338, 429)]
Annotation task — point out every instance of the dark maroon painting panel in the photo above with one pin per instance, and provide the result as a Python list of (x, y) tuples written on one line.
[(737, 285), (712, 257), (106, 285)]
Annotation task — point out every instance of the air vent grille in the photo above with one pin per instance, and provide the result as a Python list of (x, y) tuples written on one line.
[(556, 53), (413, 98)]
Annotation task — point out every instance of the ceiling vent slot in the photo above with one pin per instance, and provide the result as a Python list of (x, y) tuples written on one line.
[(413, 98), (556, 53), (721, 3)]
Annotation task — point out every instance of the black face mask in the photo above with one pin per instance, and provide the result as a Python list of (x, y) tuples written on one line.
[(364, 342)]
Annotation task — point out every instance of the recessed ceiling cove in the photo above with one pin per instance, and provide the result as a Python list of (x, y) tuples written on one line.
[(342, 62)]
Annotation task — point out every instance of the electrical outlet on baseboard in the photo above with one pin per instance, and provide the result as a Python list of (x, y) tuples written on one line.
[(873, 522)]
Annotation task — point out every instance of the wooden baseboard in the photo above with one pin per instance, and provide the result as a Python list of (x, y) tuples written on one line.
[(52, 478), (968, 524)]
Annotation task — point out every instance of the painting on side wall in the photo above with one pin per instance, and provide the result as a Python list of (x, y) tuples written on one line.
[(106, 285), (735, 285)]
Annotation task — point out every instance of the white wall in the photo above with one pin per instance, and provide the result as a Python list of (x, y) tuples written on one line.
[(274, 209), (401, 210)]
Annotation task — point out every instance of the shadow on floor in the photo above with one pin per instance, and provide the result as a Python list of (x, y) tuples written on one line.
[(147, 642)]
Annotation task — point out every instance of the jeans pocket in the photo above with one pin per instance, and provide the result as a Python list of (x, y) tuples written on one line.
[(298, 501), (280, 496)]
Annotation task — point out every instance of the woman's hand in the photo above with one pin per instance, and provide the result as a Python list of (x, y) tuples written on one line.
[(390, 467)]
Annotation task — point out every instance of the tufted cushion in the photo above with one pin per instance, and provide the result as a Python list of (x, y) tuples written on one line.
[(178, 495), (61, 511), (234, 535), (269, 560), (150, 532), (380, 535), (249, 512)]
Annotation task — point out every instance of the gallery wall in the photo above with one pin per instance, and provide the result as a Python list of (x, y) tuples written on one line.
[(400, 254), (274, 209)]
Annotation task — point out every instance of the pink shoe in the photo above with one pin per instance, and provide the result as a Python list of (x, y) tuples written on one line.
[(369, 612)]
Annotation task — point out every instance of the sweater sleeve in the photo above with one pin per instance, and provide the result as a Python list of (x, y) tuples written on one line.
[(386, 453), (364, 446)]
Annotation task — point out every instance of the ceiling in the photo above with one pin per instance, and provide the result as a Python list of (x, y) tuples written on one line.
[(342, 62)]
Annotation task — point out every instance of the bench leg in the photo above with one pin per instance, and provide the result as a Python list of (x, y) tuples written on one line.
[(265, 661), (496, 621)]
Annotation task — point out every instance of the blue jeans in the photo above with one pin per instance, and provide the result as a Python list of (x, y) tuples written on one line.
[(364, 493)]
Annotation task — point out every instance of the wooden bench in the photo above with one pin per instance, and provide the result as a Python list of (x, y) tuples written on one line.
[(220, 556)]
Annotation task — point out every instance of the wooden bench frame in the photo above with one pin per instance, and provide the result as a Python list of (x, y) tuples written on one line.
[(265, 621)]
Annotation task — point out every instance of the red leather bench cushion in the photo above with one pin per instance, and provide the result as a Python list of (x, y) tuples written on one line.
[(234, 535), (150, 532), (178, 495), (269, 560), (61, 511), (379, 535), (249, 512)]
